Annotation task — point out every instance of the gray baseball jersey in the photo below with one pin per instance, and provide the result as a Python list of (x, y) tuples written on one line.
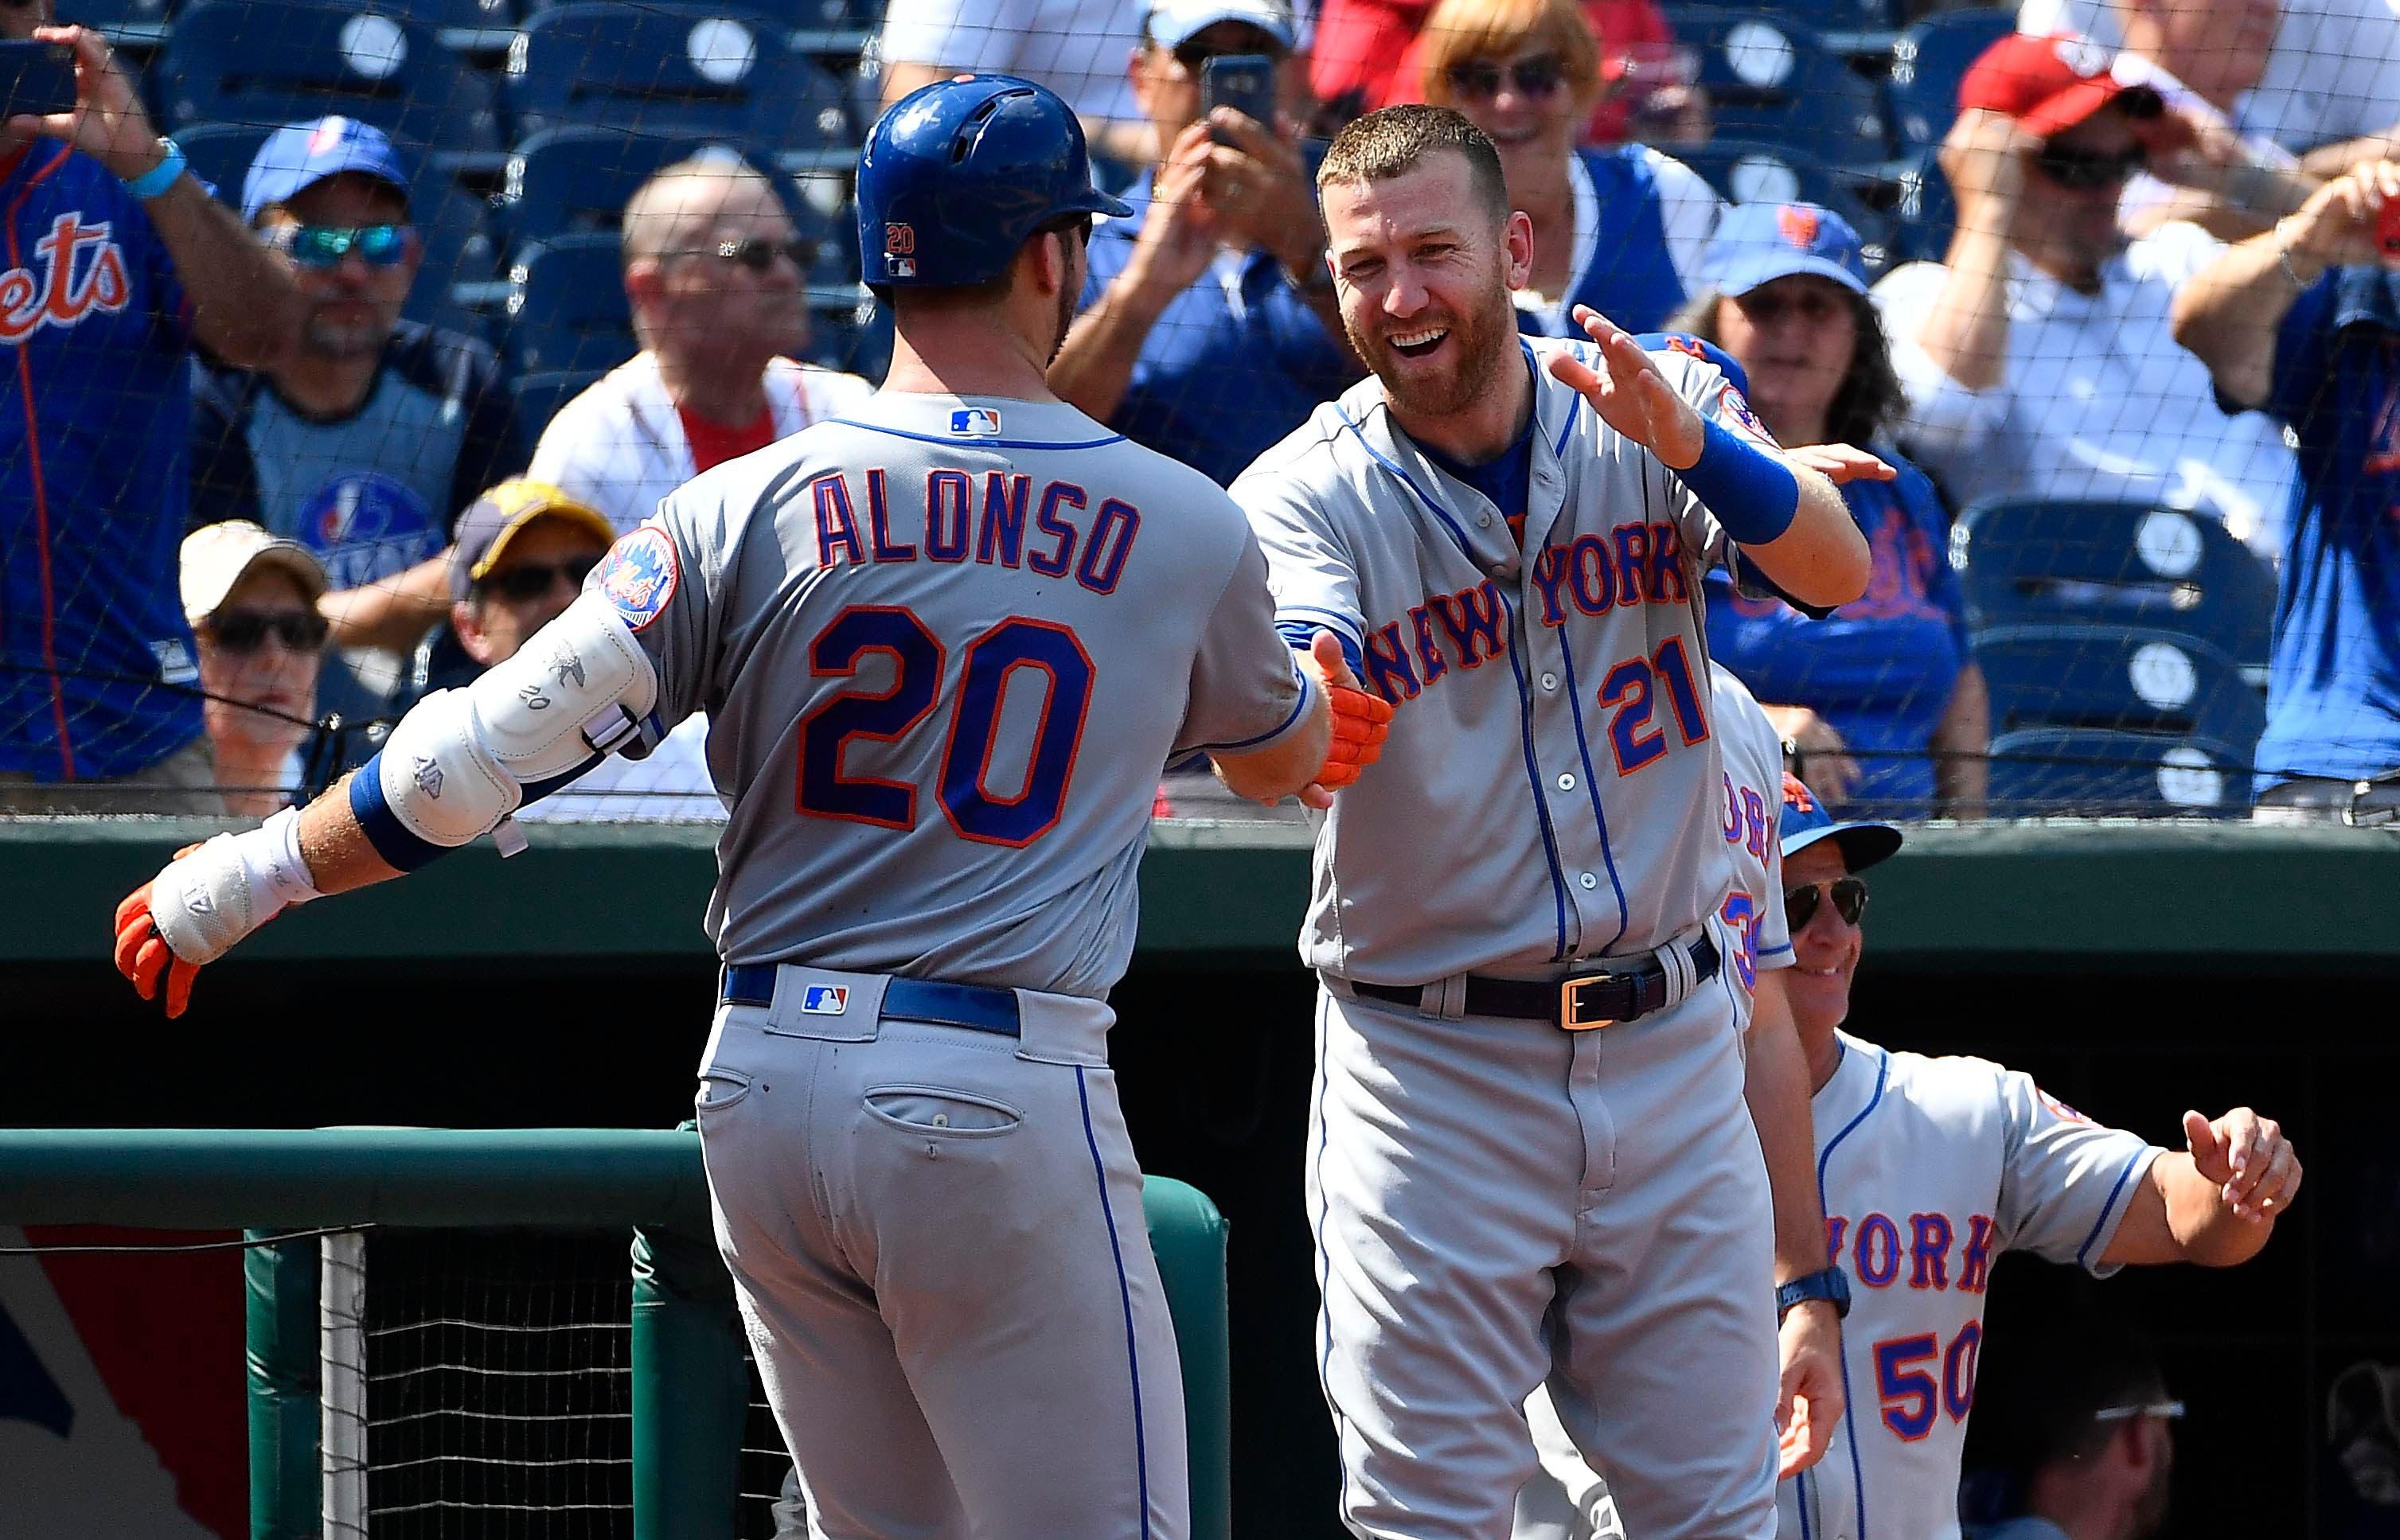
[(945, 647), (1552, 749), (1930, 1168)]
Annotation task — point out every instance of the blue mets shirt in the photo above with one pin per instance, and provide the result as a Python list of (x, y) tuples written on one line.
[(1641, 228), (1233, 363), (2333, 690), (96, 663)]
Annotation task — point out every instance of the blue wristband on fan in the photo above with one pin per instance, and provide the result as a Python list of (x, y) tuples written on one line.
[(158, 178), (1753, 495)]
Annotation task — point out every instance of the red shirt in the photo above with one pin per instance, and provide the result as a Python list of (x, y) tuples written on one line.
[(712, 445)]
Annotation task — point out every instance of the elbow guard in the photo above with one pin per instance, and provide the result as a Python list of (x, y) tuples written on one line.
[(460, 761)]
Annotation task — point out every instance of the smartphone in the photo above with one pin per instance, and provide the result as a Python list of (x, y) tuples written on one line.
[(1244, 82), (2387, 227), (36, 78)]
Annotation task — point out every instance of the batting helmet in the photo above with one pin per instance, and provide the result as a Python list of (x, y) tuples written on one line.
[(960, 174)]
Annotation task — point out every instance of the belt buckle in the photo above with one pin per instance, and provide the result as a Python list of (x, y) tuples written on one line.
[(1571, 1004)]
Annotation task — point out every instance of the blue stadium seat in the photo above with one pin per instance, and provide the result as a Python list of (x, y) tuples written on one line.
[(1923, 212), (137, 23), (1926, 64), (677, 70), (2036, 563), (2096, 772), (273, 61), (856, 339), (567, 308), (1771, 78), (1748, 172), (539, 396), (2123, 679), (220, 153)]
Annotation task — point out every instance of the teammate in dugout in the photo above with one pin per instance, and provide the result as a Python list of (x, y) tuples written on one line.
[(945, 642), (1507, 536), (1932, 1168)]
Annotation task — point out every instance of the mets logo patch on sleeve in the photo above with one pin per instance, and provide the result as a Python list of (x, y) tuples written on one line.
[(1737, 406), (640, 575)]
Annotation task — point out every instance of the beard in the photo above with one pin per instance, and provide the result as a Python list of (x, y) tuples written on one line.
[(1067, 298), (1470, 359), (342, 339)]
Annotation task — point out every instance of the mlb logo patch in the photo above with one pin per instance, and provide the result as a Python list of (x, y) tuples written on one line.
[(899, 267), (975, 422), (825, 1000), (640, 574)]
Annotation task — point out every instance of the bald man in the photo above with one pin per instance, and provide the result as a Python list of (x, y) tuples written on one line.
[(715, 273)]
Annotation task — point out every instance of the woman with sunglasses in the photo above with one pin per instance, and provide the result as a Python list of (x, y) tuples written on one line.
[(1623, 230), (252, 600), (1881, 699)]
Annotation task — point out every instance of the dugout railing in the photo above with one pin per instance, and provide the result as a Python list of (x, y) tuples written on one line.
[(688, 1384)]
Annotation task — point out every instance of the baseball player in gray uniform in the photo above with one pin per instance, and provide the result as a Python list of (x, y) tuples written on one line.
[(945, 645), (1529, 1156)]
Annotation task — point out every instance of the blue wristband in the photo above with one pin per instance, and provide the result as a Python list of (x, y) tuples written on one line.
[(1752, 494), (158, 178)]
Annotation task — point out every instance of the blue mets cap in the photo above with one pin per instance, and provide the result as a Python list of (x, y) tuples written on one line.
[(1805, 821), (1757, 243), (298, 155)]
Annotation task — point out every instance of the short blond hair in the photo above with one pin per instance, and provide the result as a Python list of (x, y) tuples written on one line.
[(1459, 31), (1391, 142)]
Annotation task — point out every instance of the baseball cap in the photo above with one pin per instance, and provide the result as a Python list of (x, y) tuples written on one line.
[(1757, 243), (1863, 843), (1175, 22), (298, 155), (2050, 84), (216, 559), (494, 519)]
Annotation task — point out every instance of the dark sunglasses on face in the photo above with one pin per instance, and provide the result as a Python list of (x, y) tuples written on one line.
[(1534, 79), (324, 246), (757, 254), (1195, 56), (247, 630), (1800, 904), (2086, 171), (1815, 307), (534, 579)]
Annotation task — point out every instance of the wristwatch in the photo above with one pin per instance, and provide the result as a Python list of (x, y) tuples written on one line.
[(1829, 1284)]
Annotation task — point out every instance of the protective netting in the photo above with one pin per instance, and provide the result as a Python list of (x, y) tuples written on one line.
[(2074, 601)]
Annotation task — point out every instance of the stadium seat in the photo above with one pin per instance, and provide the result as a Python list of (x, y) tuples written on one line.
[(1771, 78), (2095, 772), (2035, 563), (2123, 679), (220, 153), (275, 61), (576, 180), (1926, 64), (539, 396), (567, 308), (1923, 212), (1747, 172), (138, 22), (856, 339), (676, 71)]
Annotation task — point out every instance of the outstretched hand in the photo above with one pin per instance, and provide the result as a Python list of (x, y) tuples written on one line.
[(2248, 1158), (1361, 722), (1630, 394), (1841, 463), (143, 956)]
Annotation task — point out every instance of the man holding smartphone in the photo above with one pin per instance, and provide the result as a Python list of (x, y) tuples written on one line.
[(117, 260), (1208, 330)]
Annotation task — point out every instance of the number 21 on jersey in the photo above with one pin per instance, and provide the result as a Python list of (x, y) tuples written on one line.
[(965, 779)]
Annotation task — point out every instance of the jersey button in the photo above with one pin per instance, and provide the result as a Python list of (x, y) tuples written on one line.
[(1550, 681), (1484, 521), (1588, 881), (1566, 783)]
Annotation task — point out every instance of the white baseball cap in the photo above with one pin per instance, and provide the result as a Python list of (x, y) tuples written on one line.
[(1175, 22), (217, 558)]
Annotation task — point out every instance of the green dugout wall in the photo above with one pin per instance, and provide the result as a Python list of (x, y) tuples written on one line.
[(2136, 969)]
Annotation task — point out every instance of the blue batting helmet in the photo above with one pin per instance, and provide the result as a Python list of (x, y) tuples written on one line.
[(958, 175)]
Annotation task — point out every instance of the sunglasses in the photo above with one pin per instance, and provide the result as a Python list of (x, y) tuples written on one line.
[(1814, 306), (2086, 171), (323, 246), (1534, 79), (1800, 904), (757, 254), (2171, 1410), (247, 630), (534, 579), (1193, 57)]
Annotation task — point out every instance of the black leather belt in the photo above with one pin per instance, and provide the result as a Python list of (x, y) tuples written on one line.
[(1579, 1004), (969, 1005)]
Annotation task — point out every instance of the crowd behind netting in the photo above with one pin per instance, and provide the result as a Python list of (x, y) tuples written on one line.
[(2107, 284)]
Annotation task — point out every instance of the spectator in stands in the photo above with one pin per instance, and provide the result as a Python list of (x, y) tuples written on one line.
[(122, 260), (1889, 677), (1076, 48), (253, 601), (2037, 357), (2089, 1449), (2203, 57), (2300, 323), (713, 272), (1623, 230), (1208, 329), (1372, 53), (364, 441), (522, 551)]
